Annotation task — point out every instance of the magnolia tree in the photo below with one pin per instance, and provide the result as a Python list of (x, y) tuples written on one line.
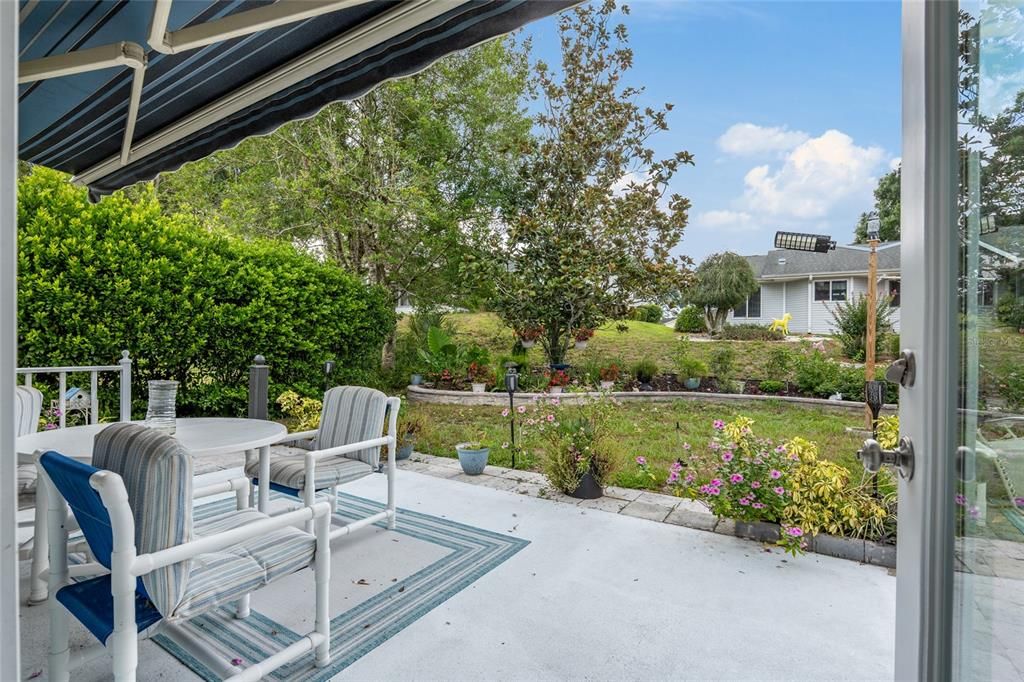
[(722, 282), (592, 229)]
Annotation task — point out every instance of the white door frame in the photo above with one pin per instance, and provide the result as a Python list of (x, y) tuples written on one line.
[(924, 568), (10, 666)]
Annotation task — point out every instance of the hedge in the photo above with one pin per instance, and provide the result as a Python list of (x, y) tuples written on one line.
[(190, 303)]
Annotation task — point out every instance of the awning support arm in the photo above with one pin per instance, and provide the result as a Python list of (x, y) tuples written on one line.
[(94, 59), (235, 25)]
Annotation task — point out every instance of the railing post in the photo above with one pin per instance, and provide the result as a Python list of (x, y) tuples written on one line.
[(259, 389), (62, 407), (94, 397), (126, 386)]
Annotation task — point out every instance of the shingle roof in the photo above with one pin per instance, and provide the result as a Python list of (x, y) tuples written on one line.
[(779, 263)]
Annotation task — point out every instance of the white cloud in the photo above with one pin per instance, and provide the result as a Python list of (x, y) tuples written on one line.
[(895, 162), (814, 177), (731, 221), (748, 139)]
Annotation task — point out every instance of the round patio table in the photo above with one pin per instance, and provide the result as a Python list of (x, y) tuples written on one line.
[(205, 436)]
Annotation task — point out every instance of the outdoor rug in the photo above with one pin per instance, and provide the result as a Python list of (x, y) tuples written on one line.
[(381, 582)]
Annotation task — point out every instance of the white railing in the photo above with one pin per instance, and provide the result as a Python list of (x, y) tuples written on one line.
[(123, 367)]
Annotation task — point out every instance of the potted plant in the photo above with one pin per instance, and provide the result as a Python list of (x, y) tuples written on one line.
[(529, 335), (473, 456), (480, 375), (407, 429), (644, 372), (690, 372), (609, 375), (557, 380), (583, 334)]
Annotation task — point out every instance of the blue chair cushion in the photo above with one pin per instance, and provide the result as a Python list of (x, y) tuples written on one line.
[(90, 602)]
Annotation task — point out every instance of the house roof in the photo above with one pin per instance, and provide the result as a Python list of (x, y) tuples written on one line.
[(783, 263)]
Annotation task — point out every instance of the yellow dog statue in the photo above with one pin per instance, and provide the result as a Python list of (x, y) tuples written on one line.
[(781, 325)]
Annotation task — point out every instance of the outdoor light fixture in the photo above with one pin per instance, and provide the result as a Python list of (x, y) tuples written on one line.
[(874, 227), (799, 241), (512, 385), (988, 224), (328, 371)]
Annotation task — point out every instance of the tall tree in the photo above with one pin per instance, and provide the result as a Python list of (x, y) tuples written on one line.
[(594, 225), (721, 282), (887, 206), (394, 186)]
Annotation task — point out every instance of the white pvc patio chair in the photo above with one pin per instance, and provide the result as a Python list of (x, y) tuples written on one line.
[(135, 510), (346, 448)]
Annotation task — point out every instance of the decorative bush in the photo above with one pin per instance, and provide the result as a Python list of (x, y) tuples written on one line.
[(645, 370), (1010, 311), (851, 318), (190, 303), (649, 312), (771, 386), (610, 372), (692, 368), (750, 332), (305, 411), (780, 361), (691, 320), (723, 364)]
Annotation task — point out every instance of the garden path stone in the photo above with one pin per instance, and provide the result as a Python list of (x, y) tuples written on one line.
[(606, 503), (646, 510), (692, 519), (628, 494), (667, 501), (524, 476), (725, 527)]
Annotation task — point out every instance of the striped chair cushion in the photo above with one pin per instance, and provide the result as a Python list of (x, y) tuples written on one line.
[(28, 406), (290, 470), (157, 474), (220, 577), (351, 414)]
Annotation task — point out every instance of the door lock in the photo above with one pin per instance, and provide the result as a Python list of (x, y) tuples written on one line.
[(903, 370), (874, 457)]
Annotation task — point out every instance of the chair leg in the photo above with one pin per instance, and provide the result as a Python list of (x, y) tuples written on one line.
[(334, 500), (322, 567), (308, 499), (391, 490), (124, 641), (40, 548), (242, 607), (58, 667)]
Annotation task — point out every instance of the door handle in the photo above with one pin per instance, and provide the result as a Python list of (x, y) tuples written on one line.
[(873, 456)]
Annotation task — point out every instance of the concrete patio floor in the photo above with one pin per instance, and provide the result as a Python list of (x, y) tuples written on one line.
[(607, 596)]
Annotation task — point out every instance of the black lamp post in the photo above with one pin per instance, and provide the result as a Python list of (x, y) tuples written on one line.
[(328, 371), (512, 385)]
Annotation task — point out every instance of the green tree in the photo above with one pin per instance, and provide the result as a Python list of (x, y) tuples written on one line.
[(395, 186), (721, 282), (593, 227), (887, 206)]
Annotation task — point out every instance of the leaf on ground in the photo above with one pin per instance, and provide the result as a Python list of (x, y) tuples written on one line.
[(362, 581)]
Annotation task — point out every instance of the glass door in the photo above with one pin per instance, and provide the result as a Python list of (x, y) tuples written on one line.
[(988, 462)]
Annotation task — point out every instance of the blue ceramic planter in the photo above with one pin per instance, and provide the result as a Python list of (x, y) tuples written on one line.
[(416, 379), (692, 383), (473, 461)]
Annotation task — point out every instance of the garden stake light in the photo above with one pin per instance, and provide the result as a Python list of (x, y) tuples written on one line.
[(511, 385), (874, 226)]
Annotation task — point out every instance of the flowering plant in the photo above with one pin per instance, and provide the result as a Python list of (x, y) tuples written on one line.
[(584, 334), (480, 373), (610, 373), (558, 378), (531, 333), (50, 419)]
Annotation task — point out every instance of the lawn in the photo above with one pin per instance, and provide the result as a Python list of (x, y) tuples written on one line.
[(643, 340), (654, 430)]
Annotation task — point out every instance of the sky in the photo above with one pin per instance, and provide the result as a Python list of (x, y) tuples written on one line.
[(792, 111)]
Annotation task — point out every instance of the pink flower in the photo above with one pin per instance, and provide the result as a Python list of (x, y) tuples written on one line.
[(716, 481), (676, 466), (758, 505), (718, 424), (555, 402), (521, 409), (641, 461), (775, 473), (960, 499), (744, 501), (688, 478), (736, 478), (794, 532), (755, 484), (551, 417), (727, 456), (673, 477), (686, 446), (713, 490), (974, 512), (780, 449), (49, 427), (504, 413), (779, 490)]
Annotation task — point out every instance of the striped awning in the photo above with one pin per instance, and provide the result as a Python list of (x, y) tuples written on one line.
[(116, 91)]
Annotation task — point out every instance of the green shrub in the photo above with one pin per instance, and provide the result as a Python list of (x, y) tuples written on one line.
[(691, 320), (190, 304), (750, 332), (851, 320), (692, 368), (780, 361), (723, 363), (1010, 311), (892, 345), (649, 312), (771, 386), (645, 370), (816, 375)]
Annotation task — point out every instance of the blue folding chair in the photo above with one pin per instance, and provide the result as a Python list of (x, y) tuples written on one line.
[(135, 510)]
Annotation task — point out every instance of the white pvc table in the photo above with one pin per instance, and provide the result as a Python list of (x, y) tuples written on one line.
[(205, 436)]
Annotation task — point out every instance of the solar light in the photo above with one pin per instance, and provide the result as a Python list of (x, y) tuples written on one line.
[(799, 241), (512, 385), (874, 226)]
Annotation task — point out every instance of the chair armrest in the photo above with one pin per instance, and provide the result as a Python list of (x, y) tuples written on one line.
[(231, 485), (298, 435), (146, 563), (349, 448)]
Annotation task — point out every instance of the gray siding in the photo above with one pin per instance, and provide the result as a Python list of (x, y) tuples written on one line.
[(771, 306), (796, 305)]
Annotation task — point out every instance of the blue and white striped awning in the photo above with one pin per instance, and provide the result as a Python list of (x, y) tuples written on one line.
[(116, 91)]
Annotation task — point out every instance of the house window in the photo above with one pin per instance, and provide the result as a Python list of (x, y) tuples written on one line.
[(751, 307), (985, 292), (894, 293), (830, 290)]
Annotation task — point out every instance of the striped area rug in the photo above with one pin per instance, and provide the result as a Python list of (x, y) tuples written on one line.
[(424, 562)]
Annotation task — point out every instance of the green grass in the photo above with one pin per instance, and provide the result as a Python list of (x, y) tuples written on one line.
[(643, 340), (654, 430)]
